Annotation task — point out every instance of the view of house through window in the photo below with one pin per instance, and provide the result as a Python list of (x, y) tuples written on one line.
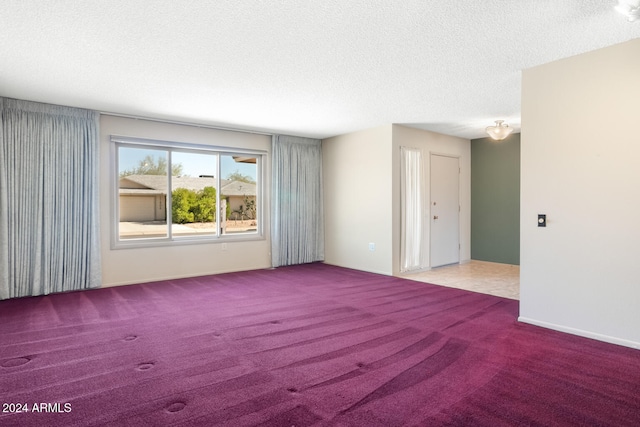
[(239, 189), (142, 193), (176, 193)]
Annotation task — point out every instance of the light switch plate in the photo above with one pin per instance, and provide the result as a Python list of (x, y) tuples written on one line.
[(542, 220)]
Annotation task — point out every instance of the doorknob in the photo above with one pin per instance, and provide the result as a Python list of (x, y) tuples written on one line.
[(435, 217)]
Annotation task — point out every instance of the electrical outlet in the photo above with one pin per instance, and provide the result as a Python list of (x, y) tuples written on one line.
[(372, 247)]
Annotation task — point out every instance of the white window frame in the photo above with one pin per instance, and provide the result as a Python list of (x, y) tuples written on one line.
[(173, 146)]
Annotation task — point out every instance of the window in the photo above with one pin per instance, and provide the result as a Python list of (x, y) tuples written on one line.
[(169, 193)]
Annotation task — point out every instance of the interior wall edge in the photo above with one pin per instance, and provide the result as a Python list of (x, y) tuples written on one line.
[(580, 332), (368, 270)]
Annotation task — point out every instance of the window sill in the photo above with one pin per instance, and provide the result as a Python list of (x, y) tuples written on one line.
[(184, 241)]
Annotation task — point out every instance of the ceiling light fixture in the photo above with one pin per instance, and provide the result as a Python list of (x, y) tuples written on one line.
[(500, 131), (629, 9)]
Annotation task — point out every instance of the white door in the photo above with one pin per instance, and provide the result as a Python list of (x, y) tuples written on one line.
[(445, 210)]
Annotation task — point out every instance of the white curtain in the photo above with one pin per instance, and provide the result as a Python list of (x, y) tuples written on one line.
[(411, 209), (48, 199), (297, 231)]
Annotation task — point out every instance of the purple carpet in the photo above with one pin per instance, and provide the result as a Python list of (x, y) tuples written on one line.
[(301, 346)]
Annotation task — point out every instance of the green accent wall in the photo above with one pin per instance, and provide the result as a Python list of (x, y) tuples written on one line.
[(495, 200)]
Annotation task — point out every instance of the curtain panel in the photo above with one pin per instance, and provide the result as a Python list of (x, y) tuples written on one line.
[(297, 231), (411, 207), (48, 199)]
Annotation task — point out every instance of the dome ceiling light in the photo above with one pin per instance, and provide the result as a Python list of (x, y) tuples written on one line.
[(629, 8), (500, 131)]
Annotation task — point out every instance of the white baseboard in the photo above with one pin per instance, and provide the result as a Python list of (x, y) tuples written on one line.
[(178, 277), (581, 333)]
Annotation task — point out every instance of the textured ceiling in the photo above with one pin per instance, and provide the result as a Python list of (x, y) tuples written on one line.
[(310, 68)]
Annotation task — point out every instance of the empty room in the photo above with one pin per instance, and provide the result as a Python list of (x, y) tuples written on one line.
[(357, 213)]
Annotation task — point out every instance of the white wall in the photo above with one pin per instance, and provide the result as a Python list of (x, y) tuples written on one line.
[(135, 265), (357, 185), (581, 167), (433, 143)]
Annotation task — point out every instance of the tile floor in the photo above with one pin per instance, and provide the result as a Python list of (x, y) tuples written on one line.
[(478, 276)]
